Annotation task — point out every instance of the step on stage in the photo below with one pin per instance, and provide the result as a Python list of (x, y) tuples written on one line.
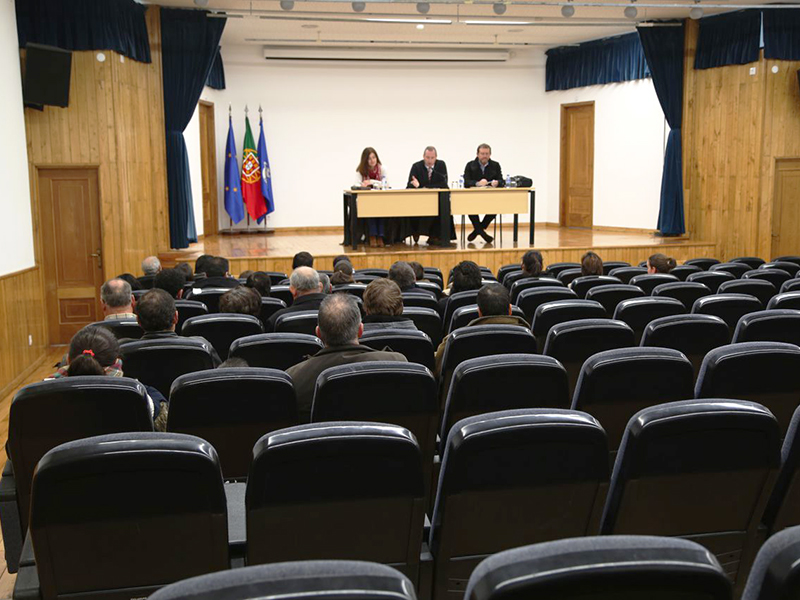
[(274, 252)]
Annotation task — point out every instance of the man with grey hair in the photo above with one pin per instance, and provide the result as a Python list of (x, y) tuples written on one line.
[(403, 275), (117, 300), (339, 328), (151, 265), (307, 294)]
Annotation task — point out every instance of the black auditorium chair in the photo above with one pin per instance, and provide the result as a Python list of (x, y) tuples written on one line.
[(703, 263), (638, 312), (753, 262), (282, 292), (360, 278), (567, 276), (427, 320), (511, 478), (373, 272), (685, 291), (561, 311), (458, 300), (555, 268), (625, 274), (683, 271), (232, 408), (712, 279), (123, 329), (139, 293), (222, 329), (775, 571), (610, 265), (650, 280), (793, 285), (275, 350), (432, 271), (776, 277), (269, 306), (611, 295), (419, 299), (785, 300), (188, 309), (526, 283), (616, 384), (466, 314), (573, 342), (506, 269), (780, 325), (531, 299), (434, 287), (144, 510), (275, 277), (354, 289), (763, 372), (343, 490), (791, 259), (159, 362), (728, 307), (415, 345), (601, 568), (735, 269), (790, 267), (302, 321), (694, 335), (783, 509), (146, 281), (700, 470), (208, 296), (510, 278), (582, 285)]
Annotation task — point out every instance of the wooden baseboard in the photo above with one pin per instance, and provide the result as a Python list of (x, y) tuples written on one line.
[(14, 383)]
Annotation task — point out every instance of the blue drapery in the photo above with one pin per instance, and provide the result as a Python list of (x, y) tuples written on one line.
[(216, 78), (663, 47), (117, 25), (782, 33), (729, 39), (190, 42), (610, 60)]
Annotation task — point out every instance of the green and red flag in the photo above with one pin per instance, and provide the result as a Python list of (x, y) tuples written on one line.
[(251, 176)]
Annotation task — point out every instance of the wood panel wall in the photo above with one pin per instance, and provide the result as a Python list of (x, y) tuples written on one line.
[(115, 121)]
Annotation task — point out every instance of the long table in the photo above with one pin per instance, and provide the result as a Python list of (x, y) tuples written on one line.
[(431, 202)]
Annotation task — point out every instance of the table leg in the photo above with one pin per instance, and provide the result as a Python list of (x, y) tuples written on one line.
[(346, 219), (516, 228), (532, 215), (353, 220), (444, 218)]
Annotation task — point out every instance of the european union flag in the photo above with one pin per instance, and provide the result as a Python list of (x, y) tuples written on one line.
[(234, 204), (266, 175)]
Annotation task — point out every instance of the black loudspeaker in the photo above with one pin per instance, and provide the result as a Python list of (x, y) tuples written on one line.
[(47, 75)]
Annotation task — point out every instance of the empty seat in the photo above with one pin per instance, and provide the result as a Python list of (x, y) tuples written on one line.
[(269, 306), (222, 329), (373, 272), (431, 286), (336, 490), (530, 299), (582, 285), (275, 350), (783, 509), (712, 279), (610, 265), (122, 328), (427, 320), (791, 259), (751, 261), (696, 469), (785, 300), (602, 568), (735, 269), (703, 263), (649, 281), (682, 272), (354, 289), (790, 267), (458, 300), (466, 314), (512, 277), (526, 283), (302, 321), (792, 285), (555, 268), (638, 312), (780, 325), (616, 384), (694, 335), (685, 291), (625, 274), (282, 292), (209, 296), (763, 372), (728, 307), (275, 277), (561, 311), (611, 295), (159, 362), (231, 409), (416, 346), (776, 568), (506, 269), (776, 277), (188, 309), (567, 276), (763, 290), (511, 478), (420, 299)]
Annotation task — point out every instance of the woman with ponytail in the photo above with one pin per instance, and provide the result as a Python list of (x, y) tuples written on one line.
[(660, 263)]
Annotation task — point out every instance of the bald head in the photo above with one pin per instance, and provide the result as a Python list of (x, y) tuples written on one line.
[(116, 297), (304, 280)]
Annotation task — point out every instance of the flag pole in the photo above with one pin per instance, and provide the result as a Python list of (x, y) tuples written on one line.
[(266, 217), (249, 229), (230, 120)]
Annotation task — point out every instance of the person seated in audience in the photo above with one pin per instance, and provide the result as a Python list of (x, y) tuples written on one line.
[(383, 304), (660, 263), (246, 274), (419, 270), (217, 275), (466, 276), (339, 329), (171, 281), (341, 257), (187, 271), (116, 300), (307, 292), (158, 317), (132, 281), (302, 259), (260, 282), (342, 273), (494, 308), (533, 264), (151, 265), (325, 283), (200, 263), (241, 300), (234, 362), (591, 264), (403, 275)]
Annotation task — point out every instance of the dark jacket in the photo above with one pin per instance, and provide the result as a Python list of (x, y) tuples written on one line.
[(307, 302), (216, 282), (159, 335), (304, 375), (473, 174), (420, 171)]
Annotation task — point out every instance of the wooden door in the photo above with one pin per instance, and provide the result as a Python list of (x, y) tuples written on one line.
[(577, 164), (786, 208), (71, 248), (208, 166)]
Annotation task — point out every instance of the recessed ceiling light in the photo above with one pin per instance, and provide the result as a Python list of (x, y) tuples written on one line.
[(696, 13), (515, 31), (567, 10), (499, 8), (423, 7), (401, 20), (630, 12), (309, 26), (420, 26), (287, 4)]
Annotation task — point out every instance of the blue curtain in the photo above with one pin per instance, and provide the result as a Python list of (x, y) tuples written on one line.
[(216, 78), (190, 42), (663, 47), (117, 25), (729, 39), (610, 60), (782, 33)]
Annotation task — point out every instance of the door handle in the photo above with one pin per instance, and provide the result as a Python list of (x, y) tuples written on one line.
[(99, 256)]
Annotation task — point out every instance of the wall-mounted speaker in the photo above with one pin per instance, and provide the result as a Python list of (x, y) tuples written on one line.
[(47, 76)]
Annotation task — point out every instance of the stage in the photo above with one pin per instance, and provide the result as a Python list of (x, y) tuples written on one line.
[(274, 252)]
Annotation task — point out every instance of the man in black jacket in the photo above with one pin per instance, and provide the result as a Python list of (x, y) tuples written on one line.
[(217, 275), (430, 172), (482, 172)]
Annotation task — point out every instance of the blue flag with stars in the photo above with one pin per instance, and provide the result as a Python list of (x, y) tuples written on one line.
[(234, 204), (266, 175)]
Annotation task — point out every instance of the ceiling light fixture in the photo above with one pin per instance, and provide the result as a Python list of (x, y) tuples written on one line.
[(696, 13), (498, 23), (567, 10), (420, 21), (201, 3), (359, 6), (630, 11), (499, 8), (287, 4), (423, 8)]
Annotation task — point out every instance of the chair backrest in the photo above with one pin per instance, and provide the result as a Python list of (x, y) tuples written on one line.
[(530, 299), (753, 262), (373, 272), (431, 286), (466, 314), (122, 328), (625, 274), (793, 285), (582, 285), (301, 321), (269, 306), (792, 259), (560, 311), (146, 281), (780, 325), (526, 283), (685, 291), (222, 329), (683, 271), (694, 335), (567, 276), (728, 307), (783, 509), (698, 469), (703, 263), (761, 289), (650, 280), (188, 309), (231, 409), (555, 268), (712, 279), (336, 490), (144, 509), (159, 362), (208, 296), (419, 299), (275, 350), (610, 265), (354, 289), (616, 384), (775, 276), (785, 300), (601, 568), (415, 345), (427, 320), (638, 312), (506, 269), (458, 300), (735, 269), (790, 267), (282, 292), (497, 468), (275, 277), (611, 295), (776, 570)]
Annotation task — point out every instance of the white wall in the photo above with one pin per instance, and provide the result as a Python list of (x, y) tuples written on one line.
[(16, 229), (192, 136)]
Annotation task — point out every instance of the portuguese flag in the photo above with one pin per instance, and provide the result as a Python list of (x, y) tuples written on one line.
[(251, 177)]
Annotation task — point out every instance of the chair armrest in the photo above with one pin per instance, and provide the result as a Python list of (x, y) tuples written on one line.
[(27, 587), (9, 518), (237, 524), (425, 583)]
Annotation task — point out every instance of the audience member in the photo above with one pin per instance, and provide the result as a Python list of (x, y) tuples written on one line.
[(132, 281), (241, 300), (260, 282), (187, 271), (383, 305), (419, 270), (403, 275), (246, 274), (171, 281), (341, 257), (234, 362), (466, 276), (116, 300), (306, 289), (325, 283), (302, 259), (660, 263), (151, 265), (591, 264), (200, 263), (342, 273), (532, 263), (217, 275), (339, 329)]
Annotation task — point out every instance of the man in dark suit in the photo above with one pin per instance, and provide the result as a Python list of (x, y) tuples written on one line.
[(217, 276), (307, 292), (430, 172), (482, 172)]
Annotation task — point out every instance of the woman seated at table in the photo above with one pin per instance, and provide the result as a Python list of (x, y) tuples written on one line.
[(370, 173)]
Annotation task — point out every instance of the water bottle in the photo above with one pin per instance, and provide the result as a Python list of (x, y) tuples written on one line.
[(508, 180), (384, 185), (461, 182)]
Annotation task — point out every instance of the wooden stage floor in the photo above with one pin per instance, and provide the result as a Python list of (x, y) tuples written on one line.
[(274, 252)]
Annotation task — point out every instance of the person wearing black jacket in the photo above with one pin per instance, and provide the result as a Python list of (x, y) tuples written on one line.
[(482, 172), (430, 172)]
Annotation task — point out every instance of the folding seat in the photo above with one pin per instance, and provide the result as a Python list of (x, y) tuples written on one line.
[(146, 281), (776, 277), (222, 329), (458, 300), (601, 568), (638, 312), (210, 297), (761, 289), (735, 269), (683, 271), (791, 259), (555, 268), (159, 362), (611, 295), (685, 291), (775, 571), (625, 274), (785, 300), (302, 580), (427, 320), (561, 311), (792, 285), (354, 289), (188, 309), (712, 279), (144, 510), (511, 478), (269, 306), (582, 285), (431, 286), (122, 328), (343, 490), (650, 280), (509, 278), (790, 267), (506, 269), (526, 283), (282, 292), (728, 307), (783, 509), (567, 276), (361, 278), (781, 325), (414, 345), (275, 277), (694, 335), (763, 372), (616, 384), (531, 299), (703, 263), (753, 262), (373, 272), (432, 271), (464, 315), (433, 278), (275, 350), (420, 299), (573, 342), (610, 265), (231, 409), (302, 321), (697, 469)]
